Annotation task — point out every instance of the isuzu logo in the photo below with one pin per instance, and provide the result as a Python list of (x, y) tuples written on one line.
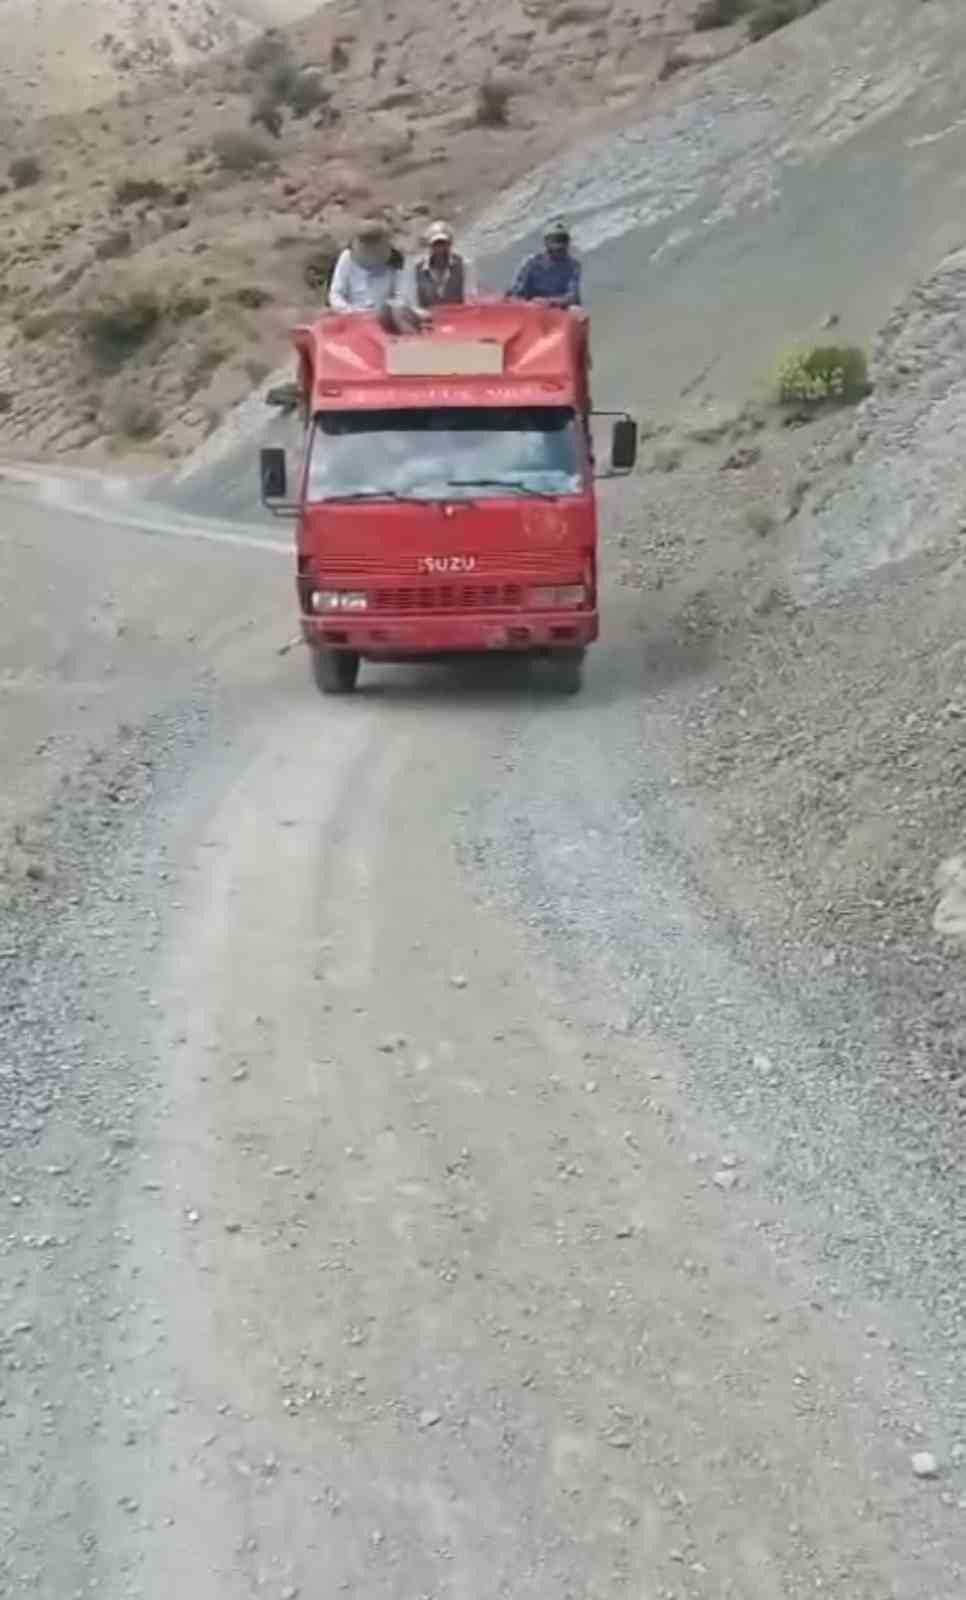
[(446, 564)]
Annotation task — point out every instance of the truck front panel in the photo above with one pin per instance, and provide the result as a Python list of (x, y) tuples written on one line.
[(441, 531)]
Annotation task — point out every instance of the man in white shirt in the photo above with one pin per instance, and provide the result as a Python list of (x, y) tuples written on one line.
[(368, 275)]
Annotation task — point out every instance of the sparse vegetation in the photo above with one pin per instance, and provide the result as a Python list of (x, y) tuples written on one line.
[(40, 324), (280, 80), (339, 55), (667, 458), (823, 375), (308, 93), (25, 171), (252, 296), (266, 114), (774, 14), (761, 520), (133, 190), (493, 103), (189, 303), (240, 152), (134, 416), (116, 327), (571, 15), (764, 16), (320, 264), (207, 361), (265, 51), (718, 14), (113, 245)]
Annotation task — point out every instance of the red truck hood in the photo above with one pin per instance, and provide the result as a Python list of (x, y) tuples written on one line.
[(415, 540)]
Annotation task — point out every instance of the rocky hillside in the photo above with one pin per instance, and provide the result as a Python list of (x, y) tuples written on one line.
[(158, 245), (59, 56)]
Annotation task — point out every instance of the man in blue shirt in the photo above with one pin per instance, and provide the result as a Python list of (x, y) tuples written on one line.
[(552, 276)]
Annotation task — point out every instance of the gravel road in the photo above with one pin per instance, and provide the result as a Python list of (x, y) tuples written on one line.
[(410, 1190)]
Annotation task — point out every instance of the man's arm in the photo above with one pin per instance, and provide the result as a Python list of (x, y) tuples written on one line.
[(573, 293), (520, 287), (339, 287)]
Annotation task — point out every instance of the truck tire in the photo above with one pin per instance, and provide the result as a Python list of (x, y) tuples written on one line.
[(568, 669), (335, 671)]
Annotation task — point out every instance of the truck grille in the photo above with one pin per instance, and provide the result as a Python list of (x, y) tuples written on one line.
[(448, 597)]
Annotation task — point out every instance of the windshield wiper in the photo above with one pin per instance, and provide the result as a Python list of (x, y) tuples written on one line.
[(515, 485), (371, 494)]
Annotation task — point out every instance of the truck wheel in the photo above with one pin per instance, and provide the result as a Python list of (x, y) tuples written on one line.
[(568, 667), (335, 671)]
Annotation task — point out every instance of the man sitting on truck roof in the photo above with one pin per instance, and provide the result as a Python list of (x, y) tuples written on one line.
[(552, 276), (368, 274), (443, 276), (371, 276)]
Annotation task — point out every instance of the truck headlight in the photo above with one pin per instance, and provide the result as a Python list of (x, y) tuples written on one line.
[(323, 600), (558, 597)]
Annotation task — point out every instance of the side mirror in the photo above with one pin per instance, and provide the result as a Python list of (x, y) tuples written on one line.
[(623, 450), (274, 474)]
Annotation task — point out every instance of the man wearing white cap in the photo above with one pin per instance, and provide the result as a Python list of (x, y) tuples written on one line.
[(442, 277)]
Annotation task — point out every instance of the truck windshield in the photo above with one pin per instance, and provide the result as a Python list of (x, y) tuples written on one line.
[(445, 453)]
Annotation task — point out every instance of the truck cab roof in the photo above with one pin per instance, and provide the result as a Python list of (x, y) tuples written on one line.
[(484, 353)]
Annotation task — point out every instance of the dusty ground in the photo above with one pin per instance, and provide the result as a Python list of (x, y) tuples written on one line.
[(463, 1144), (222, 251)]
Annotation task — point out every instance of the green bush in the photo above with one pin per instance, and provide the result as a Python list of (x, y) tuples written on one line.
[(116, 327), (824, 374)]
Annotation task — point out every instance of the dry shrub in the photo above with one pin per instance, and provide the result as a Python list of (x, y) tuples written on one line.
[(265, 51), (240, 152), (133, 190), (25, 171), (493, 103), (319, 264), (115, 328), (768, 16), (266, 114), (718, 14), (571, 15), (134, 416)]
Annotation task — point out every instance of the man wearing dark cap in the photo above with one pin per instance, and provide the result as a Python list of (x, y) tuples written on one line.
[(552, 276)]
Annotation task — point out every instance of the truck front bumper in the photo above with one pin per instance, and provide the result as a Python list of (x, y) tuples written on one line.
[(386, 637)]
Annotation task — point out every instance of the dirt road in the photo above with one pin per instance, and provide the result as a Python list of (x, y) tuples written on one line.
[(371, 1223)]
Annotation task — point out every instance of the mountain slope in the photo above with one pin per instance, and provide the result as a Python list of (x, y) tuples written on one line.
[(59, 56)]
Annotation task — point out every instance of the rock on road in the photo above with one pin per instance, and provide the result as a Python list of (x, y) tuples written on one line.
[(376, 1253)]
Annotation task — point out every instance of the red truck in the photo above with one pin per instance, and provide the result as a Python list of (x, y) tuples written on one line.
[(445, 503)]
